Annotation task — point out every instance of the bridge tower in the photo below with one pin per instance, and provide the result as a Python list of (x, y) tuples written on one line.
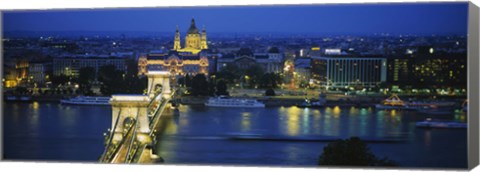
[(133, 120), (130, 108), (158, 81)]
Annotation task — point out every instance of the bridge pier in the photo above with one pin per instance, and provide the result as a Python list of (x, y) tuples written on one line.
[(129, 107)]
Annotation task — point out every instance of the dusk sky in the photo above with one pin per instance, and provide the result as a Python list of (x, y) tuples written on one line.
[(432, 18)]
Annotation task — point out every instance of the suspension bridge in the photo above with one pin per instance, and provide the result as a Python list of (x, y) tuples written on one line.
[(131, 138)]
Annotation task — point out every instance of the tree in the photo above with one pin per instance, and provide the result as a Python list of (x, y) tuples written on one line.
[(135, 85), (221, 87), (21, 90), (211, 87), (254, 73), (270, 80), (85, 78), (112, 79), (351, 152), (132, 67), (188, 81), (229, 73), (59, 79), (199, 85)]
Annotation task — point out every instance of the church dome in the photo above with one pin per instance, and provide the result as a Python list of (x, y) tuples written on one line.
[(193, 29)]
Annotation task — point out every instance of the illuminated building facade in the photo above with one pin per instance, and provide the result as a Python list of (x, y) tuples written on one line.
[(191, 59), (398, 70), (10, 77), (70, 66), (303, 68), (428, 71), (176, 63), (21, 67), (341, 72), (194, 40), (15, 73), (38, 72)]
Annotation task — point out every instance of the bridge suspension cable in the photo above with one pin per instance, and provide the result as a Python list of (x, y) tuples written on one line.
[(110, 137)]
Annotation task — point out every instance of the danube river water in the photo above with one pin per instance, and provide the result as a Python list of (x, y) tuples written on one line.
[(203, 135)]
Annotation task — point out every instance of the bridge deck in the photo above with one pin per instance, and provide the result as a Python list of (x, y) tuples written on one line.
[(121, 155)]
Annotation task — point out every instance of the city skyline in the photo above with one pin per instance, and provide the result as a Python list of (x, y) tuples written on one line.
[(415, 18)]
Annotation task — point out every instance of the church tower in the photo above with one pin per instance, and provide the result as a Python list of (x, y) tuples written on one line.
[(203, 41), (192, 40), (176, 44)]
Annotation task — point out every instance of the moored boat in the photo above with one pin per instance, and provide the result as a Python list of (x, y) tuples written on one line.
[(429, 123), (87, 100), (11, 98), (223, 101), (428, 105), (393, 102), (23, 98), (311, 104), (322, 100)]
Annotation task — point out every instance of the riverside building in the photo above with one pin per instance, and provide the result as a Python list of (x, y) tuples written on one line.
[(349, 71)]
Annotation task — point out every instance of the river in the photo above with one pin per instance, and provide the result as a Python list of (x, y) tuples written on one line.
[(201, 135)]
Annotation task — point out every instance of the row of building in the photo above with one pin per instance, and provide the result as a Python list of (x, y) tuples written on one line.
[(23, 72), (336, 71), (335, 68)]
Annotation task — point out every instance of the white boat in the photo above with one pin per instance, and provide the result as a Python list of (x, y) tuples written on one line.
[(87, 100), (223, 101), (437, 111), (25, 98), (429, 123), (19, 98), (428, 105), (11, 98)]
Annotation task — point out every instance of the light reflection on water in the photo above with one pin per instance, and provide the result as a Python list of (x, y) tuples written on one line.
[(54, 132), (213, 124), (246, 120), (292, 121)]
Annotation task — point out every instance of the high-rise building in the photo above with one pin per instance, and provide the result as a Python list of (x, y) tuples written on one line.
[(343, 71), (398, 70), (428, 71)]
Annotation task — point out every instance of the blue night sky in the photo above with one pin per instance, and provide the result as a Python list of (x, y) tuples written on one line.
[(421, 18)]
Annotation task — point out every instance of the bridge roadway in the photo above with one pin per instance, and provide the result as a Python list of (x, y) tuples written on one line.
[(121, 155), (136, 147)]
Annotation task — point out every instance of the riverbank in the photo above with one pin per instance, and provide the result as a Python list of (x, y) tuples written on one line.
[(332, 100), (38, 98), (273, 102)]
